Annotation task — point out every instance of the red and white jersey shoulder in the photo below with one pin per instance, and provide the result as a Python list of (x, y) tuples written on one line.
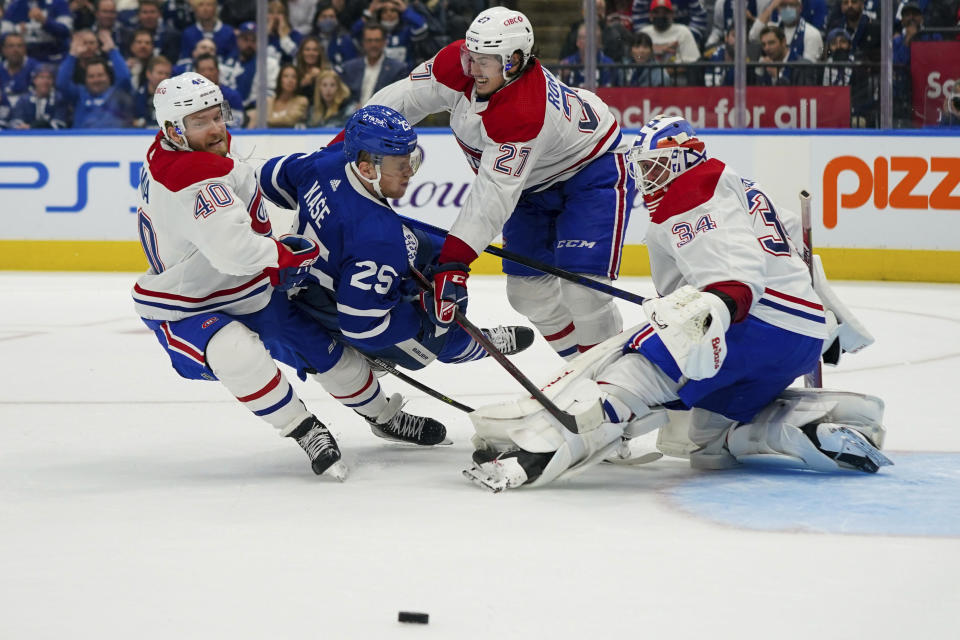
[(206, 235), (530, 134), (713, 228)]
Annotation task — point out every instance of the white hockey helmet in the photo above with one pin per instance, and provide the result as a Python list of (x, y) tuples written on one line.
[(178, 97), (666, 147), (500, 32)]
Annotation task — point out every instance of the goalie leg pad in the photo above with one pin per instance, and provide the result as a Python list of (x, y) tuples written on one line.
[(861, 412)]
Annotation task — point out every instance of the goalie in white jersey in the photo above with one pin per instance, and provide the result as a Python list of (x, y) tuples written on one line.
[(551, 175), (738, 321), (215, 293)]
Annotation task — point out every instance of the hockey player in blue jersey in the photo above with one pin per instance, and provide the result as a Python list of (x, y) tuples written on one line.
[(215, 294), (361, 286)]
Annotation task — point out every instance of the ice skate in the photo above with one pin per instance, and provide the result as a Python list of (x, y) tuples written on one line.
[(511, 339), (846, 446), (507, 470), (399, 426), (321, 447)]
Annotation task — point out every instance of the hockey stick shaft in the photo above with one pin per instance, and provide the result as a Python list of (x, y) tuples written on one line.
[(539, 266), (813, 379), (390, 368), (567, 420)]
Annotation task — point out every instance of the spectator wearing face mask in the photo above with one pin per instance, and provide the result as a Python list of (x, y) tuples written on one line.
[(863, 101), (838, 50), (803, 39), (671, 42), (690, 13), (334, 38)]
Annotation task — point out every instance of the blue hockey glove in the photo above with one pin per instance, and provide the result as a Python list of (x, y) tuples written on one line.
[(449, 292), (295, 254)]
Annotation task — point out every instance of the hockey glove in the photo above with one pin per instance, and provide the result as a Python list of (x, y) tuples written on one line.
[(449, 292), (692, 325), (295, 254)]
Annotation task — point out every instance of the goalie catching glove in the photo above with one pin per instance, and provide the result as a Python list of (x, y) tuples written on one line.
[(295, 255), (692, 325)]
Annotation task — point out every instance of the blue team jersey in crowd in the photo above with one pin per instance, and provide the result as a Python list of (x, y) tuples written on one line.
[(364, 259)]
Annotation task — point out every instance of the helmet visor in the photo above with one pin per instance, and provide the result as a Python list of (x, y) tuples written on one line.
[(480, 64), (407, 164), (209, 117)]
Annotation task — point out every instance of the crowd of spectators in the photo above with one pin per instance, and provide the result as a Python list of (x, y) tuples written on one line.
[(97, 63), (654, 43)]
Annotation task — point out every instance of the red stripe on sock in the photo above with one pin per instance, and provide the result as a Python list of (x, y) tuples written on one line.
[(354, 395), (267, 389), (562, 333)]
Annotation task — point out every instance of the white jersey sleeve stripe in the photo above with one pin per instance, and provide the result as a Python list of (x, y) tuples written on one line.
[(291, 200), (367, 313), (377, 330)]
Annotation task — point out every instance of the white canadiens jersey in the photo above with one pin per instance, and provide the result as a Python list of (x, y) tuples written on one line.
[(530, 134), (712, 226), (206, 234)]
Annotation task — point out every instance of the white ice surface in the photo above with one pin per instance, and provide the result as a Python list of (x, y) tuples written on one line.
[(134, 504)]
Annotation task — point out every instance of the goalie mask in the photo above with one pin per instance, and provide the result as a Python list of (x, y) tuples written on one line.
[(666, 147), (178, 97), (380, 132), (492, 39)]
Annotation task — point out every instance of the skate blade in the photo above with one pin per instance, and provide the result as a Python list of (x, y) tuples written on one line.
[(863, 456), (483, 480), (646, 458), (337, 470), (445, 442)]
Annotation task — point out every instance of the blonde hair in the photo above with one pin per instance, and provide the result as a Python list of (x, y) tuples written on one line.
[(321, 110)]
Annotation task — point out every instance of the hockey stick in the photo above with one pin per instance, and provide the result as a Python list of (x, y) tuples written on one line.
[(566, 419), (390, 368), (539, 266), (813, 379)]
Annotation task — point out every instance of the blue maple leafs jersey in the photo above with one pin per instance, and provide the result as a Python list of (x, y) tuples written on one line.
[(364, 252)]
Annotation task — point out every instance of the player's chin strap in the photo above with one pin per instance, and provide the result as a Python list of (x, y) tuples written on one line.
[(375, 182)]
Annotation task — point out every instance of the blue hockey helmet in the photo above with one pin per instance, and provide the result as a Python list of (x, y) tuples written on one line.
[(666, 147), (380, 131)]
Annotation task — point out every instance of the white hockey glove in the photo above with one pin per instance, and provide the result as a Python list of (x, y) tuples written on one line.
[(692, 325)]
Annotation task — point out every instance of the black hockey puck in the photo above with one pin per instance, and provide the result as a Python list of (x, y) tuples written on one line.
[(413, 616)]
